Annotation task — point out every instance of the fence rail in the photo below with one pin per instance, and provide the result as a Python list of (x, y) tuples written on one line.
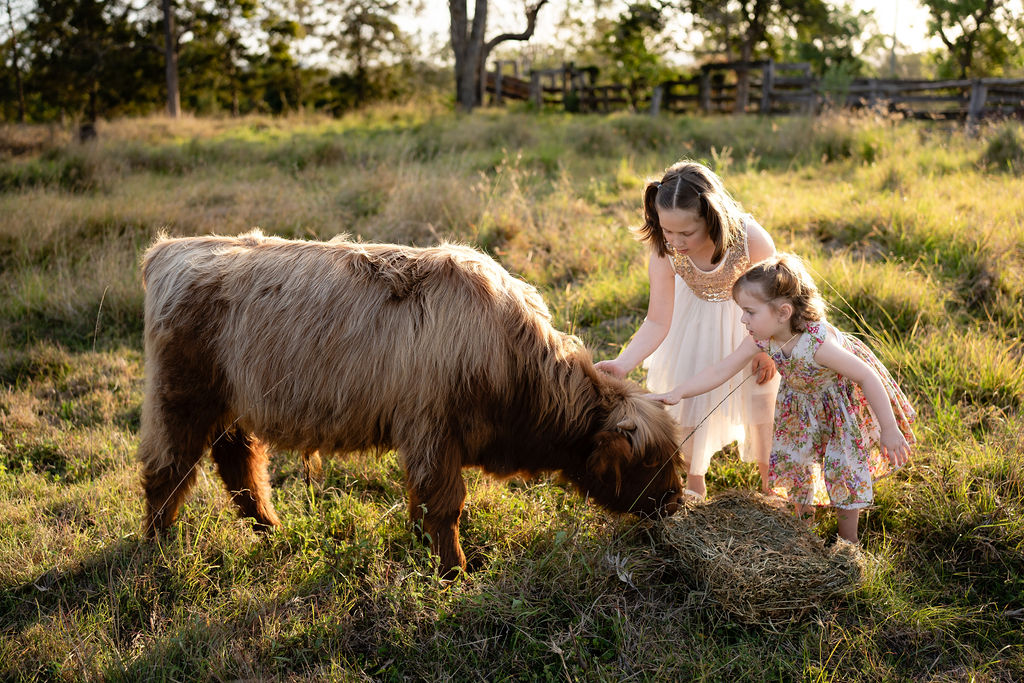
[(771, 88)]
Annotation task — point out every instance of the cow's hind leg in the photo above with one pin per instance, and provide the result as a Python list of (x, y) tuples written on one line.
[(181, 407), (169, 450), (242, 464)]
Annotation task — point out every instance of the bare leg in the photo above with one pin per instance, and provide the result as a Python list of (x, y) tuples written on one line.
[(762, 469), (696, 483), (242, 464), (761, 450), (848, 521)]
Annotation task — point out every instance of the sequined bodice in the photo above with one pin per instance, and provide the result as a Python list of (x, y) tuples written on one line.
[(715, 284)]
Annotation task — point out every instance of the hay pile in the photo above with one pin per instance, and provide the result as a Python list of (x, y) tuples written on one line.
[(747, 553)]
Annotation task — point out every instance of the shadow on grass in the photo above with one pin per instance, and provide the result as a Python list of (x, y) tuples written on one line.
[(554, 609)]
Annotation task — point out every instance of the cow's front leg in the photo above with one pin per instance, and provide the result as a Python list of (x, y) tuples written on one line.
[(435, 505)]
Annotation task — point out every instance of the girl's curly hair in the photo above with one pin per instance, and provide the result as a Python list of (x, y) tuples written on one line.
[(784, 277)]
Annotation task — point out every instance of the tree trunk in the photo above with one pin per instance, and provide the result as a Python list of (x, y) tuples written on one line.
[(755, 33), (739, 107), (171, 60), (471, 51), (467, 44), (16, 66)]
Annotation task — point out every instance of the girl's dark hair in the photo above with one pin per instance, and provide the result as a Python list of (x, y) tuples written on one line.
[(784, 277), (691, 186)]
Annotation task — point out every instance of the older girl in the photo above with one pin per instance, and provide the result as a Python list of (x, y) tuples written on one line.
[(700, 242)]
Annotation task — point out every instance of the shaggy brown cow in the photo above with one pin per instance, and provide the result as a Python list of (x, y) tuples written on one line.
[(339, 346)]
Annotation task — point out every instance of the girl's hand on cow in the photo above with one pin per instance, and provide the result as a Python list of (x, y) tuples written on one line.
[(763, 367), (613, 368), (669, 398)]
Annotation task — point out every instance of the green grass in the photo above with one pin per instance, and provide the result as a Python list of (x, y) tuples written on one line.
[(914, 231)]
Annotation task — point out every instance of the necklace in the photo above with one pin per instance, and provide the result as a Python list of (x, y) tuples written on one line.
[(782, 346)]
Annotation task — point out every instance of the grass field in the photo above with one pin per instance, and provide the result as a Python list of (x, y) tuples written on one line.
[(914, 231)]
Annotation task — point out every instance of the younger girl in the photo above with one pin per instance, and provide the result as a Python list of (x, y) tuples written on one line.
[(837, 403), (700, 242)]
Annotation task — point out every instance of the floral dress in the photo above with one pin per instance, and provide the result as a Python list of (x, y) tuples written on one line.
[(825, 450)]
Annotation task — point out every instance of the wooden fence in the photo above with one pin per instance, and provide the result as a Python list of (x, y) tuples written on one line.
[(772, 88)]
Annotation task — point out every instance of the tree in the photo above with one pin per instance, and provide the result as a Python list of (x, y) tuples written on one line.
[(214, 55), (15, 65), (471, 50), (742, 30), (981, 36), (631, 44), (90, 57), (365, 37), (171, 59), (833, 40)]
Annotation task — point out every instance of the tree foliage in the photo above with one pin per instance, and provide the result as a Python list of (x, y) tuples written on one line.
[(635, 46), (833, 39), (745, 30), (89, 58), (982, 37)]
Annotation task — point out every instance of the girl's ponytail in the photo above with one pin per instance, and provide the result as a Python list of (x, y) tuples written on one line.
[(650, 231)]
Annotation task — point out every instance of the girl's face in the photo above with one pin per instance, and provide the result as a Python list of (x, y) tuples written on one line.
[(761, 318), (685, 231)]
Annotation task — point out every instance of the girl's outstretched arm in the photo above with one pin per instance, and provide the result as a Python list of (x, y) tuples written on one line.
[(654, 329), (711, 377), (832, 355)]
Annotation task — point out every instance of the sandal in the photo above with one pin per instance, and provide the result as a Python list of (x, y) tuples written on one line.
[(693, 495)]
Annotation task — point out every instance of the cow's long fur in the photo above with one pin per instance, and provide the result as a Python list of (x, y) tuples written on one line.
[(342, 346)]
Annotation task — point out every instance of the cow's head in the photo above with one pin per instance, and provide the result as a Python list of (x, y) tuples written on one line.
[(632, 463)]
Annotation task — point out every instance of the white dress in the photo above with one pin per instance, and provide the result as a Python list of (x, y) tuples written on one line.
[(705, 329)]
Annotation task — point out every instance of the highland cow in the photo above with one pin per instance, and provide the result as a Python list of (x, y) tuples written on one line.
[(341, 347)]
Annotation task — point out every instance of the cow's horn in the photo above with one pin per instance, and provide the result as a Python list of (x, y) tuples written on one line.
[(627, 424)]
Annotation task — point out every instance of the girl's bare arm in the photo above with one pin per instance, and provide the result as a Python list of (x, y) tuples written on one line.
[(832, 355), (655, 326), (713, 376)]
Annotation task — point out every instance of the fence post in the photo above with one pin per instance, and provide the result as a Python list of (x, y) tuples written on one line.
[(656, 99), (567, 69), (497, 82), (705, 90), (976, 106), (536, 92), (767, 85)]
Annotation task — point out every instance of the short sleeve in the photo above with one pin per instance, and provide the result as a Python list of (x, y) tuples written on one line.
[(763, 345), (817, 331), (745, 222)]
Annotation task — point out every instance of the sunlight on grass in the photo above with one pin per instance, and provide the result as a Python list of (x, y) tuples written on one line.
[(914, 231)]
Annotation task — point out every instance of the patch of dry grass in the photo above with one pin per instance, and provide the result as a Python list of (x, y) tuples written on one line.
[(750, 556)]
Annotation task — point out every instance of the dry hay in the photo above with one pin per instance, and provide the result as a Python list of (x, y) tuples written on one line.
[(749, 554)]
